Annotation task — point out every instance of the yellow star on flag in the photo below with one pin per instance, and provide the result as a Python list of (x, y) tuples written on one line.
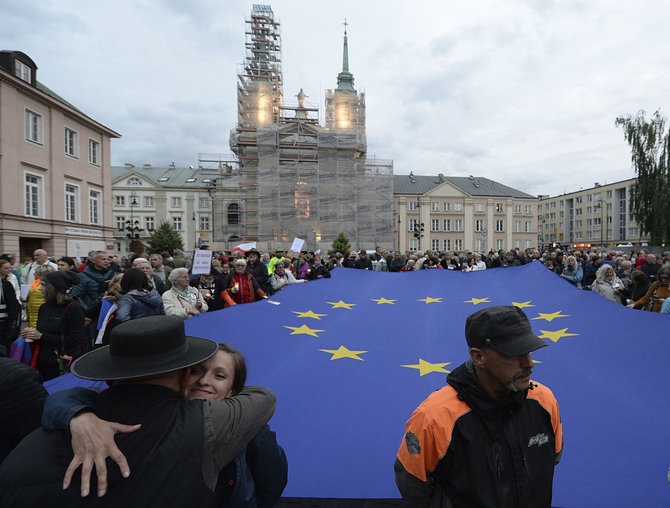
[(343, 352), (558, 334), (428, 299), (383, 300), (552, 316), (341, 305), (304, 329), (425, 367), (309, 313), (521, 305), (475, 301)]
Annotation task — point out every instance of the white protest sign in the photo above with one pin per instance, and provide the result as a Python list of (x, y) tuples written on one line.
[(202, 261), (297, 245)]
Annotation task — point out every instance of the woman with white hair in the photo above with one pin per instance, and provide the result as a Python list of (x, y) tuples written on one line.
[(607, 284), (182, 299)]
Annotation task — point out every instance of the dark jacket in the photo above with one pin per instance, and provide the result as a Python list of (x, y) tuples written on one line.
[(464, 449), (315, 271), (8, 331), (260, 273), (396, 264), (175, 458), (62, 328), (363, 264), (257, 476), (92, 284), (135, 304), (22, 398)]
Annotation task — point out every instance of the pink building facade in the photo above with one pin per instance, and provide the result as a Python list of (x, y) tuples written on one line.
[(55, 174)]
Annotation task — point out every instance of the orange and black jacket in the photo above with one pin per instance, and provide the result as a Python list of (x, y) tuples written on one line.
[(463, 448), (225, 285)]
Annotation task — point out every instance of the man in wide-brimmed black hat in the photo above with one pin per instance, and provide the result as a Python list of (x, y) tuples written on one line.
[(177, 450), (257, 269), (491, 437)]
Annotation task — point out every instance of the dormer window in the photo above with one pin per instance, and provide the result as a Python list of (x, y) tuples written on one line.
[(190, 180), (22, 71), (163, 179), (134, 181)]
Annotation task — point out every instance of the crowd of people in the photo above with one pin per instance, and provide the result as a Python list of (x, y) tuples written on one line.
[(69, 307)]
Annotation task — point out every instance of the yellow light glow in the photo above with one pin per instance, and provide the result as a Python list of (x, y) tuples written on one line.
[(264, 103), (343, 115), (301, 200)]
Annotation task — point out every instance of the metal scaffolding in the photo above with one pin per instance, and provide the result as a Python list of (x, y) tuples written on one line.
[(297, 178)]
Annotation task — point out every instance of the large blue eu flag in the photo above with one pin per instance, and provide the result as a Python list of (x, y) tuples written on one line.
[(351, 357)]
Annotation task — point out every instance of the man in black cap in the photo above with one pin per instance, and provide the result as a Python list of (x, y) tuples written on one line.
[(491, 437), (180, 447)]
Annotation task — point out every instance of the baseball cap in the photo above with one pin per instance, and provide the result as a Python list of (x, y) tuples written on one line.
[(503, 328)]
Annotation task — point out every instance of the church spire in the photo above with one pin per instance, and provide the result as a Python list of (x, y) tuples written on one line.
[(345, 79)]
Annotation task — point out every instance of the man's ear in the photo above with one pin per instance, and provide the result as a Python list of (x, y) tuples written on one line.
[(478, 357)]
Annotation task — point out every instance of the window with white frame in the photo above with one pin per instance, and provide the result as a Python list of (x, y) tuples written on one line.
[(176, 222), (149, 223), (517, 208), (205, 203), (33, 127), (435, 206), (499, 244), (561, 214), (204, 223), (94, 206), (589, 210), (481, 244), (71, 202), (413, 205), (589, 234), (93, 152), (33, 195), (120, 222), (529, 209), (446, 206), (479, 225), (458, 207), (552, 205), (517, 244), (528, 227), (633, 231), (446, 244), (435, 244), (589, 222), (447, 224), (578, 211), (528, 244), (609, 194), (500, 226), (413, 244), (411, 224), (458, 225), (148, 201), (517, 226), (435, 225), (479, 207), (22, 71), (71, 143), (578, 199), (176, 202), (120, 200), (500, 207), (458, 244)]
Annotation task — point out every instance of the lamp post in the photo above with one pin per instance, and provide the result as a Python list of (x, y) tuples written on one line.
[(132, 225)]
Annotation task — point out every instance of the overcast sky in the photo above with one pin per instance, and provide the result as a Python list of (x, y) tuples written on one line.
[(522, 92)]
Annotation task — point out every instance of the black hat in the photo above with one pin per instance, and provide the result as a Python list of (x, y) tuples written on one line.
[(503, 328), (252, 251), (144, 347), (62, 280)]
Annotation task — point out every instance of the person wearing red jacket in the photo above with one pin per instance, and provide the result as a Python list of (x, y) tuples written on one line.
[(238, 287)]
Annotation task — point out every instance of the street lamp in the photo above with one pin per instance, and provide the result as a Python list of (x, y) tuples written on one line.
[(132, 225)]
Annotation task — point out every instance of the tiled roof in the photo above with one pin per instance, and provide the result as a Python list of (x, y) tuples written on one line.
[(473, 185), (176, 177)]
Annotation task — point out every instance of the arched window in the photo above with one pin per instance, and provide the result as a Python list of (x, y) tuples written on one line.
[(233, 213), (133, 181)]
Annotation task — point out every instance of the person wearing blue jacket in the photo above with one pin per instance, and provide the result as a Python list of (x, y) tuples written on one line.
[(139, 298), (572, 272)]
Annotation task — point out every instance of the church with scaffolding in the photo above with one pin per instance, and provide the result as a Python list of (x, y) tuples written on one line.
[(294, 176)]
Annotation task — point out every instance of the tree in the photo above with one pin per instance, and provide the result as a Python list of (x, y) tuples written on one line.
[(650, 153), (341, 244), (166, 238)]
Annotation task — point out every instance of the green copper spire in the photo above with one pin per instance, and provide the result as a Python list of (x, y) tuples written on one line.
[(345, 79)]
